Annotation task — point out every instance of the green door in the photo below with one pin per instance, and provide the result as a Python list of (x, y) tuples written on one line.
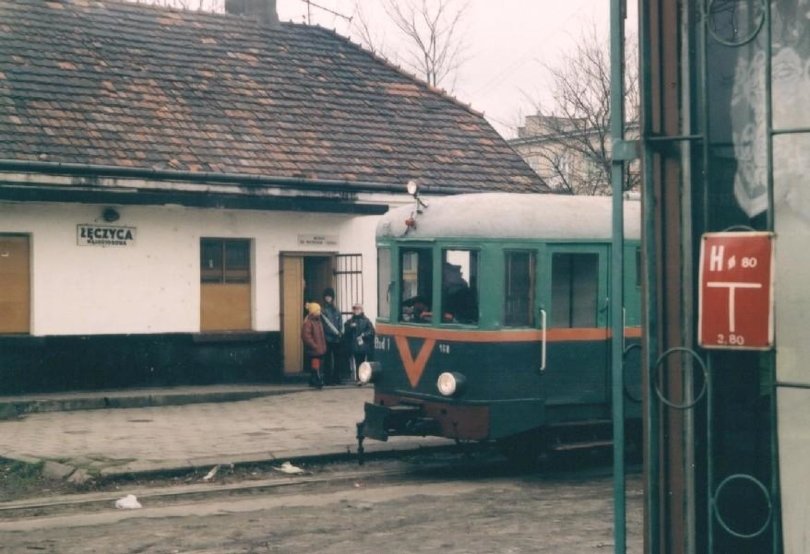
[(576, 313)]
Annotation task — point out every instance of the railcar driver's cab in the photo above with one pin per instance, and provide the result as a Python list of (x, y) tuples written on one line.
[(431, 286)]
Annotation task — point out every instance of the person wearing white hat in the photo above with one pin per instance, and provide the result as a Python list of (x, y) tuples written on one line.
[(359, 335)]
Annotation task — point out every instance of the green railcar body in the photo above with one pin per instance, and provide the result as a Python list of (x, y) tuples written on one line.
[(547, 366)]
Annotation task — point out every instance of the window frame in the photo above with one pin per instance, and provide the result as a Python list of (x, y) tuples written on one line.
[(440, 281), (602, 253), (399, 287), (223, 268), (391, 285), (532, 288)]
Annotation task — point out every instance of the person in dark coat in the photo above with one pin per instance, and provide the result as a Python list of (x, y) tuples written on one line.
[(359, 334), (332, 325), (314, 343)]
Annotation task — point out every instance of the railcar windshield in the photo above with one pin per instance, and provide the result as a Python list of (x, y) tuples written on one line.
[(416, 283), (460, 286)]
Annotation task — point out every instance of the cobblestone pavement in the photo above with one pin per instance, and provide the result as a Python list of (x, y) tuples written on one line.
[(307, 423)]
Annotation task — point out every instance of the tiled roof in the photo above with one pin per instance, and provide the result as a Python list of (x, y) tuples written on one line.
[(128, 85)]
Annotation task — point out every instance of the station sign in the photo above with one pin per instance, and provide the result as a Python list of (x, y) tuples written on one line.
[(104, 235), (736, 291)]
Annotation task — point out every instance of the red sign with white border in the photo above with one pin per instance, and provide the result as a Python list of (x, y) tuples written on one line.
[(736, 291)]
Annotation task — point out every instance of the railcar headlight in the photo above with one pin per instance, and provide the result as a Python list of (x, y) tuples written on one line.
[(368, 372), (451, 383)]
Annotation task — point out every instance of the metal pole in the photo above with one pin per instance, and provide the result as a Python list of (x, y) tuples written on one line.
[(617, 271), (651, 442)]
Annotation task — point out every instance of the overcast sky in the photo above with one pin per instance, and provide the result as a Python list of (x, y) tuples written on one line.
[(507, 44)]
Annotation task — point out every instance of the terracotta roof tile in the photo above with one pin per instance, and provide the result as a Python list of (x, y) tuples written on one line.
[(116, 83)]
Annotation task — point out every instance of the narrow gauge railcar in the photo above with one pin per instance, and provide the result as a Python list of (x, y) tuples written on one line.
[(493, 321)]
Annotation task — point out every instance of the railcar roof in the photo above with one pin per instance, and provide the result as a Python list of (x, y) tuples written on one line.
[(507, 215)]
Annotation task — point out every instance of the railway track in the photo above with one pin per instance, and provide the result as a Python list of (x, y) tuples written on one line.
[(179, 493), (480, 464)]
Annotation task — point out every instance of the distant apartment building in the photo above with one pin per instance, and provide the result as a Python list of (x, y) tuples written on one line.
[(571, 155)]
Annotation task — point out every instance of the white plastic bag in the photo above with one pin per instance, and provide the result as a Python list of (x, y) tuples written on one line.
[(129, 502), (289, 469)]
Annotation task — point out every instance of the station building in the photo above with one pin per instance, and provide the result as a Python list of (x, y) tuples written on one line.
[(175, 185)]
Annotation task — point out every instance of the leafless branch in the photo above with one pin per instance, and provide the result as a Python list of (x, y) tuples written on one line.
[(433, 30), (365, 32), (573, 139)]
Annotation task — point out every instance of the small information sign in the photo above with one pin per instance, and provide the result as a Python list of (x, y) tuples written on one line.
[(736, 291), (317, 240)]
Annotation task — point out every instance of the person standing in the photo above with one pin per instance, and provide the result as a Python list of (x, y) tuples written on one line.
[(314, 340), (359, 333), (332, 324)]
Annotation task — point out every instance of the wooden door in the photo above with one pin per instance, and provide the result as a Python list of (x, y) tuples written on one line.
[(292, 312), (15, 284)]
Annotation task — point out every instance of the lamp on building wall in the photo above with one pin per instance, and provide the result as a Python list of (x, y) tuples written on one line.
[(110, 214)]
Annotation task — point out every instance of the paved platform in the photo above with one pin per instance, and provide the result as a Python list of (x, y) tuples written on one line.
[(13, 406), (300, 423)]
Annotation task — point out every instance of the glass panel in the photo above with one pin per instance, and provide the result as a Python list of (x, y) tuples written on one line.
[(519, 292), (561, 290), (574, 290), (417, 285), (210, 260), (237, 261), (585, 290), (384, 283), (460, 286), (793, 407), (792, 318), (736, 175), (790, 67)]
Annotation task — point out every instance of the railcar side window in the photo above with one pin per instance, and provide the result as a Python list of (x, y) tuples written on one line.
[(574, 290), (416, 283), (460, 286), (384, 283), (519, 291)]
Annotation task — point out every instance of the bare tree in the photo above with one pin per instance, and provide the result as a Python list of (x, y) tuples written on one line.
[(432, 30), (372, 39), (568, 142)]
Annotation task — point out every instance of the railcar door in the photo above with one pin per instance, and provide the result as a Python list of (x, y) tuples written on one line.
[(576, 305)]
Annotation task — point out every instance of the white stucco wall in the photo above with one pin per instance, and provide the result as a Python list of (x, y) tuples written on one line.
[(153, 285)]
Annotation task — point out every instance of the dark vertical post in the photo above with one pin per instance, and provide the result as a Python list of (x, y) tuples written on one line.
[(617, 270)]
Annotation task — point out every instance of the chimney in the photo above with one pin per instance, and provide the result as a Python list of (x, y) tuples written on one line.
[(263, 11)]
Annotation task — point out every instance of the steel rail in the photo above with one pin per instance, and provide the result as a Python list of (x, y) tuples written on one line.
[(184, 491)]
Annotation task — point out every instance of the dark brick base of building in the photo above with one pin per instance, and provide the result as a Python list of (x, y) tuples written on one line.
[(94, 362)]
